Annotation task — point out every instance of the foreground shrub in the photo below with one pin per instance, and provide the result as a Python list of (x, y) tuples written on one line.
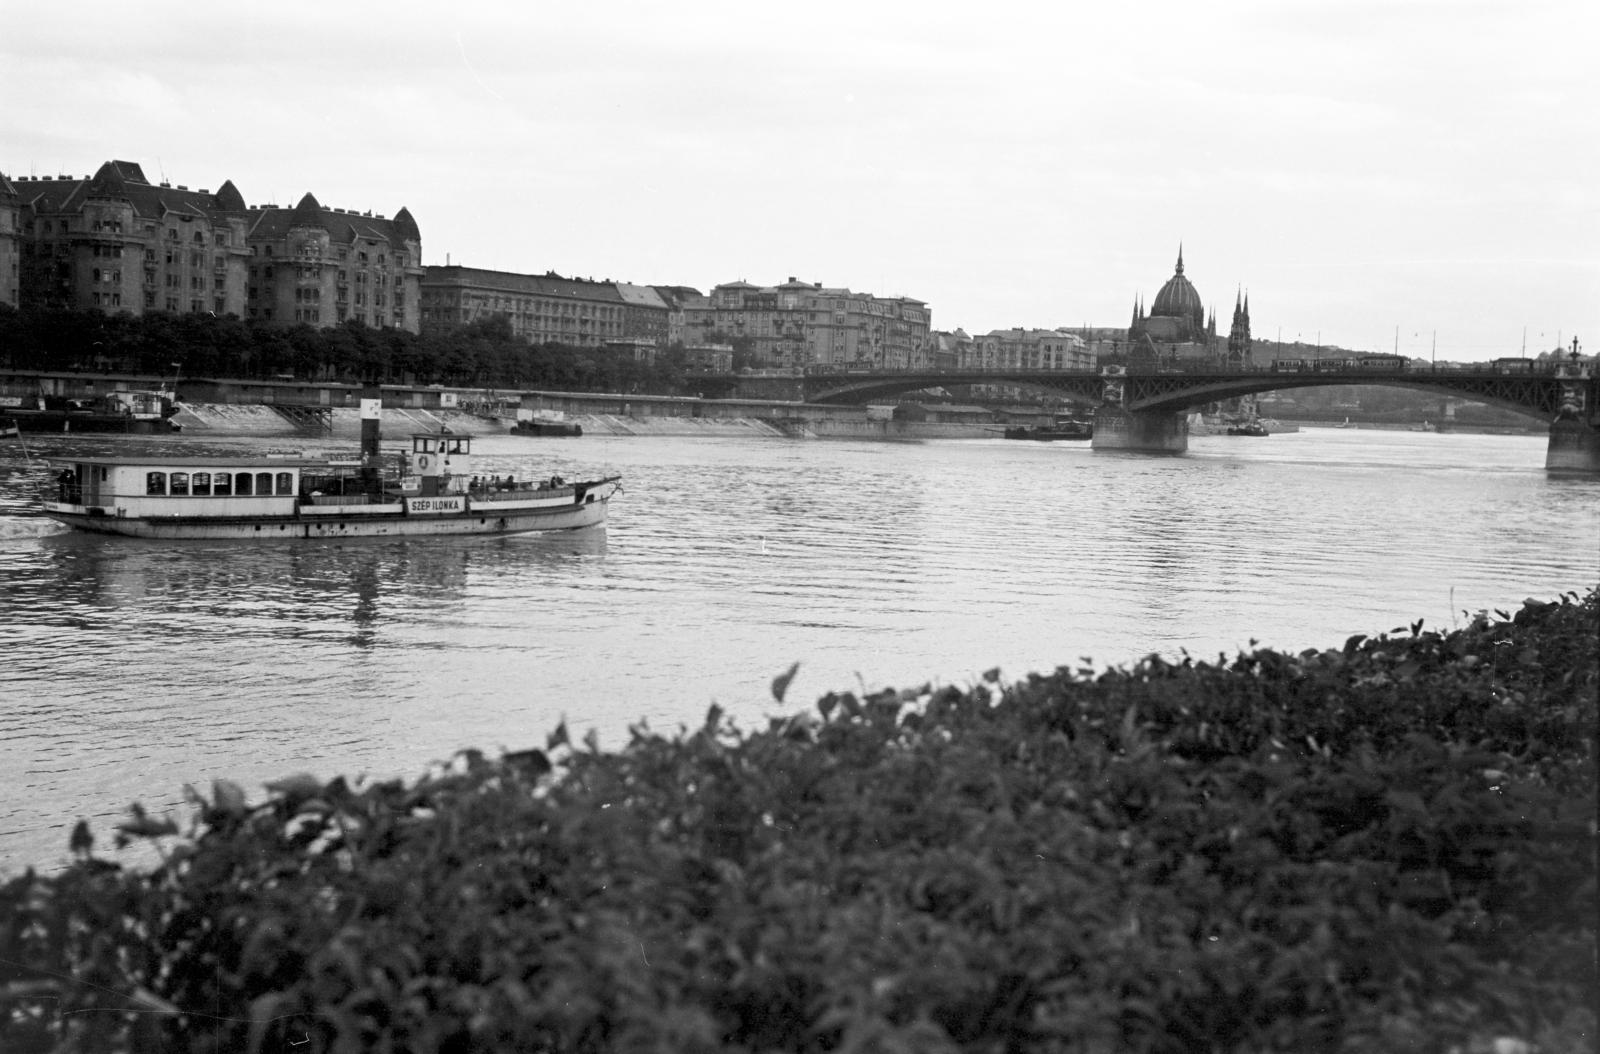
[(1382, 847)]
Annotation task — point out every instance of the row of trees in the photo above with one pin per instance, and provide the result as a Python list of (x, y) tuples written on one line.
[(172, 346)]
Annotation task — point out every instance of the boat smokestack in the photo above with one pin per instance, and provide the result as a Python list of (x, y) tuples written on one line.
[(371, 432)]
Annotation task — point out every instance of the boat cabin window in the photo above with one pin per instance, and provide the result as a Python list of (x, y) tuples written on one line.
[(286, 483), (200, 484), (180, 483), (263, 483), (441, 444), (155, 483), (243, 484), (222, 484)]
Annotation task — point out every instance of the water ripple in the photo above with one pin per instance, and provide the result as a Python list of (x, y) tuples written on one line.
[(133, 667)]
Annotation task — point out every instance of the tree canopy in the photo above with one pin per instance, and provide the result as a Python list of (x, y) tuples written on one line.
[(481, 354)]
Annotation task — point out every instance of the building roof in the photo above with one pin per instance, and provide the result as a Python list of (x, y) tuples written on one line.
[(344, 227), (680, 295), (551, 284), (125, 181), (640, 296)]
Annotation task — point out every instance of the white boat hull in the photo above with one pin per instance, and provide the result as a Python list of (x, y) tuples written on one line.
[(358, 521)]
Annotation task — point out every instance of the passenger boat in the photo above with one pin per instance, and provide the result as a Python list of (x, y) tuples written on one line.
[(139, 412), (427, 490)]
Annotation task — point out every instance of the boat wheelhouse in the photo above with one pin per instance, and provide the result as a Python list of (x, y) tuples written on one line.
[(426, 490)]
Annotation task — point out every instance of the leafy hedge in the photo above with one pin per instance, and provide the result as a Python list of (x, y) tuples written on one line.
[(1387, 846)]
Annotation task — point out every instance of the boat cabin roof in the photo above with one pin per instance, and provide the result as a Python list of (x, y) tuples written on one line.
[(228, 461)]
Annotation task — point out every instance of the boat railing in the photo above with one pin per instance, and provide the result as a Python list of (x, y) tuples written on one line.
[(521, 492), (340, 499)]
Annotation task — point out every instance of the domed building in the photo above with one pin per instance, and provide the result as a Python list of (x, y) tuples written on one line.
[(1176, 325)]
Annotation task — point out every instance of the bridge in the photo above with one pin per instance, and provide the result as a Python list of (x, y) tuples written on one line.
[(1145, 408)]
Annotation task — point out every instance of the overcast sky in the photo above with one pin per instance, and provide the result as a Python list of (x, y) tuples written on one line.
[(1358, 167)]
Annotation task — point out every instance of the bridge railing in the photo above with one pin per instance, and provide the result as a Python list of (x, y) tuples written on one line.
[(1367, 365)]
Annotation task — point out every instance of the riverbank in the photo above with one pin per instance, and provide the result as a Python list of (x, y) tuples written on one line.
[(790, 421), (263, 420), (1381, 845)]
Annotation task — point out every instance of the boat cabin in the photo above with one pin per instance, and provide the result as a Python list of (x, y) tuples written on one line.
[(183, 486)]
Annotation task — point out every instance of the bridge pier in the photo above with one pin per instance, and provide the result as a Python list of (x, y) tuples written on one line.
[(1145, 431), (1574, 446)]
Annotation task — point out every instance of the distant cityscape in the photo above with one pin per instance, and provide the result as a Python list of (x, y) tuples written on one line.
[(115, 242)]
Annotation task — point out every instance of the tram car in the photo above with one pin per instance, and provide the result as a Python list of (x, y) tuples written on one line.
[(1384, 362), (1513, 364)]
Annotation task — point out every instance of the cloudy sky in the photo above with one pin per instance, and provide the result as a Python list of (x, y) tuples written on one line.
[(1363, 168)]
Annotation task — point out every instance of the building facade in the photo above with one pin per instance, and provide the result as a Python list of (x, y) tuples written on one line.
[(115, 242), (10, 245), (1027, 349), (645, 315), (326, 266), (800, 324), (542, 309), (680, 301)]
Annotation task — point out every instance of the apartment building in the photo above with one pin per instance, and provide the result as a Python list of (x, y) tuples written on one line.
[(115, 242), (542, 309), (807, 324), (681, 301), (10, 245), (645, 314), (1025, 349), (325, 266)]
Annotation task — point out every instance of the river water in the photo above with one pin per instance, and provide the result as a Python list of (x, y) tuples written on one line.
[(130, 668)]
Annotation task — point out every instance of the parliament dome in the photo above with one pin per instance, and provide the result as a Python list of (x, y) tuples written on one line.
[(1178, 298)]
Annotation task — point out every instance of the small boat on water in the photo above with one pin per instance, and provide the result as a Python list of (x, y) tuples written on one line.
[(1063, 429), (429, 489), (137, 412), (545, 423), (1248, 428)]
